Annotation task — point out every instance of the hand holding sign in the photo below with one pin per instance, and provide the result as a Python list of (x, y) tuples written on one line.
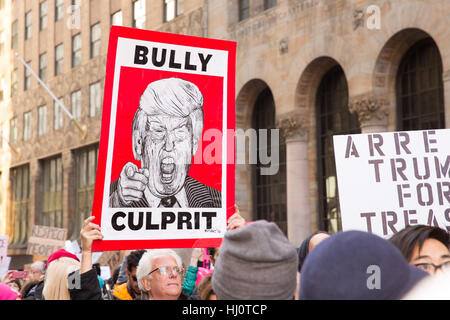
[(89, 233), (132, 183), (236, 220)]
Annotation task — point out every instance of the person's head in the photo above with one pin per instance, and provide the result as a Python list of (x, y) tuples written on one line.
[(431, 288), (96, 267), (213, 254), (256, 262), (308, 244), (37, 271), (16, 285), (159, 274), (132, 263), (424, 246), (356, 265), (115, 275), (167, 129), (205, 289), (56, 278), (59, 265), (6, 293)]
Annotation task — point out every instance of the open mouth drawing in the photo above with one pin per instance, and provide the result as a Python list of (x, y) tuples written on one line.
[(167, 167)]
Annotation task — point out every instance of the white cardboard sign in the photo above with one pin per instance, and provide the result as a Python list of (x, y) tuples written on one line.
[(390, 180)]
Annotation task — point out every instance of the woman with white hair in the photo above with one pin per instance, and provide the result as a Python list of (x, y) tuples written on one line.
[(160, 275)]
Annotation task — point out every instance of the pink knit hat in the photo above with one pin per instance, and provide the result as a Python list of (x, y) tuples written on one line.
[(6, 293)]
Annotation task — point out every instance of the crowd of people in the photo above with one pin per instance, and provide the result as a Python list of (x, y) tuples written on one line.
[(254, 262)]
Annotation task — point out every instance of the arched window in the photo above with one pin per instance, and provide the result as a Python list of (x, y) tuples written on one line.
[(419, 88), (269, 191), (20, 208), (333, 117)]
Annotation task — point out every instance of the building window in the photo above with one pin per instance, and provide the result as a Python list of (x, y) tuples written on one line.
[(13, 131), (42, 120), (95, 99), (244, 9), (139, 14), (52, 175), (43, 67), (59, 57), (28, 25), (14, 34), (27, 126), (75, 100), (172, 9), (57, 116), (116, 19), (96, 33), (269, 4), (333, 117), (86, 168), (419, 88), (2, 42), (27, 77), (43, 10), (14, 83), (59, 9), (20, 208), (269, 191), (76, 50)]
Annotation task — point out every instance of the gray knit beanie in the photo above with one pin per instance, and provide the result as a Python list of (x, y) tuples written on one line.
[(256, 262)]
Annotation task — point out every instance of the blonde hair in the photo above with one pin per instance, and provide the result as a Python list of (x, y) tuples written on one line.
[(56, 282)]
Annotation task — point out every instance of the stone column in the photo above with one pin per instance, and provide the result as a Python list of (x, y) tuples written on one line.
[(372, 113), (446, 83), (293, 126)]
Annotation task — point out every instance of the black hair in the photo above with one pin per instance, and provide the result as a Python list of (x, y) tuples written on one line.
[(303, 250), (97, 268), (133, 259), (411, 236), (115, 275)]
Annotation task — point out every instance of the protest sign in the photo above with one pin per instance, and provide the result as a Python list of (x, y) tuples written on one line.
[(164, 175), (5, 267), (390, 180), (111, 259), (45, 240), (3, 249)]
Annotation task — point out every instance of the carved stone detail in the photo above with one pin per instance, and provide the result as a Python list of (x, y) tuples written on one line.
[(369, 109), (293, 126)]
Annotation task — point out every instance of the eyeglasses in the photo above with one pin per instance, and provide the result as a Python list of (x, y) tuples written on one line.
[(426, 266), (165, 270)]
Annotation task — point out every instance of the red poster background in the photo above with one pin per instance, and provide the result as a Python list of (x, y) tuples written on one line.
[(135, 81)]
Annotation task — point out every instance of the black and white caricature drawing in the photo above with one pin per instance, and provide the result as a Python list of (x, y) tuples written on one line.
[(166, 131)]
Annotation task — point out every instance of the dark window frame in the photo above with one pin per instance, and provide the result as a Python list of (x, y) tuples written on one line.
[(419, 88), (332, 118)]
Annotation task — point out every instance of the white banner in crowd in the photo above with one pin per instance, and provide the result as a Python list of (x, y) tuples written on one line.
[(389, 180), (3, 249)]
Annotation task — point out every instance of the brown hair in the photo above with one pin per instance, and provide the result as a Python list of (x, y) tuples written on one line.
[(205, 288)]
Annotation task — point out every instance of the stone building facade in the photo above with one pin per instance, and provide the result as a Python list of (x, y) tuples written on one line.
[(310, 68)]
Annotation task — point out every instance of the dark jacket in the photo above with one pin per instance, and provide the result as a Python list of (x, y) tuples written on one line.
[(89, 288), (35, 293)]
